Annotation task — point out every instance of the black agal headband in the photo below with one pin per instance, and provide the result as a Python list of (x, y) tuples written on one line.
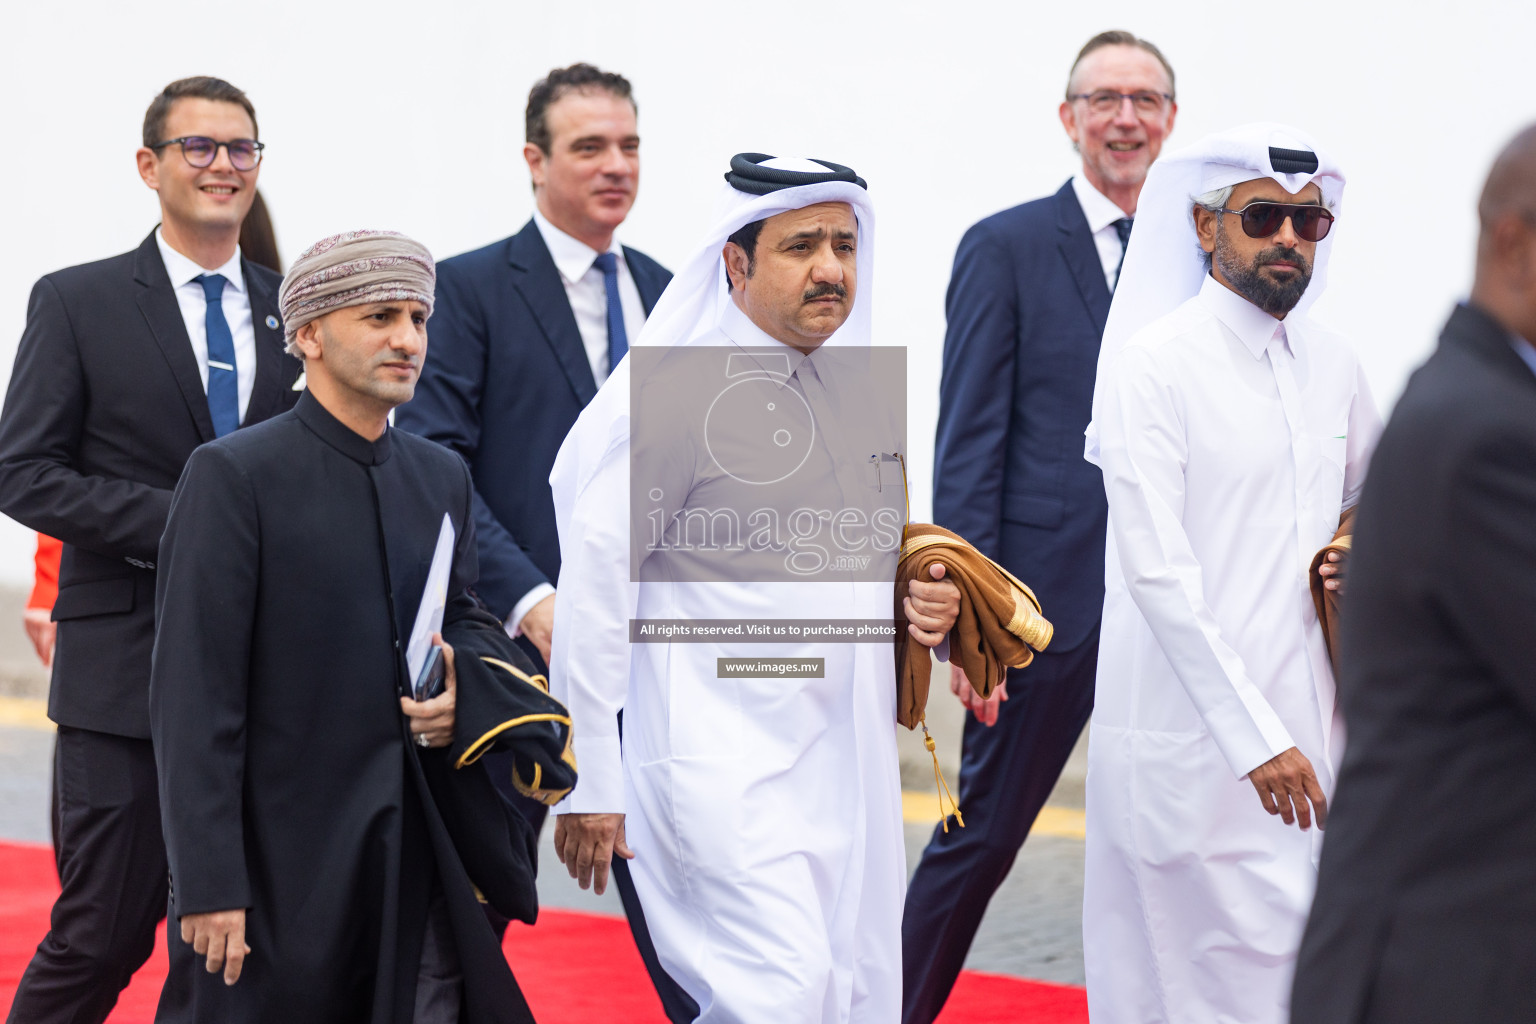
[(747, 174), (1292, 161)]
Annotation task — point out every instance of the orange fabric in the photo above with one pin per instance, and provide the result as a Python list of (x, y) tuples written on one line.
[(1000, 625), (1327, 601), (45, 583)]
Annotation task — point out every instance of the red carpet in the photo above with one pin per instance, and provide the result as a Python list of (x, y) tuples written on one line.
[(554, 962)]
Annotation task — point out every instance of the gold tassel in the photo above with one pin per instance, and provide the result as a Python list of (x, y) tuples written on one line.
[(938, 780)]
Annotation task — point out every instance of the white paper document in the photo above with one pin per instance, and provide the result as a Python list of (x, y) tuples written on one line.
[(434, 601)]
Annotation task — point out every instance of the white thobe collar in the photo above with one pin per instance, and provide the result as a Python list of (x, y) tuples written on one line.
[(1100, 210), (183, 270), (1253, 327), (737, 326), (573, 257)]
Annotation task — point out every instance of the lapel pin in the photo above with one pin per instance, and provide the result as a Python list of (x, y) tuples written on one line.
[(271, 322)]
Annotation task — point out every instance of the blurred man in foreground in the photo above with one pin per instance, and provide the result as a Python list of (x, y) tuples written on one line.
[(1426, 898)]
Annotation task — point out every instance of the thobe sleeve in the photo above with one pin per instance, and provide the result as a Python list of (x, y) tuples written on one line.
[(1363, 432), (204, 614), (591, 655), (1143, 454)]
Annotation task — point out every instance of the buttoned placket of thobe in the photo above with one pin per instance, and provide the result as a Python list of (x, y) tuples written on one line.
[(1282, 361)]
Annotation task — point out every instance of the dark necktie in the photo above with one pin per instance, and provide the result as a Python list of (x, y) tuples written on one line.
[(1123, 229), (223, 382), (618, 342)]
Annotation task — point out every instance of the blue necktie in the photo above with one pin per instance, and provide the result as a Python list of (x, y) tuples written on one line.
[(223, 382), (1123, 229), (618, 341)]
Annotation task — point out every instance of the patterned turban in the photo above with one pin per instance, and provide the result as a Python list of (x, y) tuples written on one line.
[(355, 268)]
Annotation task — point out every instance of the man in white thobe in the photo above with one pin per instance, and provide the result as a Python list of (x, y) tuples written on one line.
[(762, 812), (1233, 430)]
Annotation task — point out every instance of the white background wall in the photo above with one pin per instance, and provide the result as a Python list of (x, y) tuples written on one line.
[(409, 116)]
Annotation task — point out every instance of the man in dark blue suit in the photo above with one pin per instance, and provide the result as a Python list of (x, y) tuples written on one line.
[(524, 332), (1026, 307)]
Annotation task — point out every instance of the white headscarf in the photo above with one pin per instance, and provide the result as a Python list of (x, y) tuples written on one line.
[(1163, 264), (690, 309)]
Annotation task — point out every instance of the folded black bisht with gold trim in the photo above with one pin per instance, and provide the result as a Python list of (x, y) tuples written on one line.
[(501, 705)]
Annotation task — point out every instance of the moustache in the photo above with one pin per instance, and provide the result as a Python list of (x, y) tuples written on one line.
[(1282, 254), (824, 290)]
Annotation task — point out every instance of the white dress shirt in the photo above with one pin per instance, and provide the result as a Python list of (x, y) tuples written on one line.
[(235, 302), (1102, 214), (588, 296)]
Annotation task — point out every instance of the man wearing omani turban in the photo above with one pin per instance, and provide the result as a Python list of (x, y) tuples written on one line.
[(316, 874)]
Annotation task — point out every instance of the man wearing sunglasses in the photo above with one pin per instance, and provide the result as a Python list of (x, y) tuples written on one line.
[(1026, 307), (125, 366), (1233, 431)]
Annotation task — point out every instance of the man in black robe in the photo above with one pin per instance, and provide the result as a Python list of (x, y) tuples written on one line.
[(313, 816)]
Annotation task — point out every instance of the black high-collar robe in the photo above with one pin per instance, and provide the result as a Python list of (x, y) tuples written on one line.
[(290, 574)]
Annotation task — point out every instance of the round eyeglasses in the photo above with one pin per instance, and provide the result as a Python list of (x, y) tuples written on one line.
[(1262, 220), (201, 151)]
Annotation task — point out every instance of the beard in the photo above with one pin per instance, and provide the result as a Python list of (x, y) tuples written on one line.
[(1275, 297)]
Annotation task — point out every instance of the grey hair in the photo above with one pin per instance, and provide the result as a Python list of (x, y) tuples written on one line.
[(1213, 200)]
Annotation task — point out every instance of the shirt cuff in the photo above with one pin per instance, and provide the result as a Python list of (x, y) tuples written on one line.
[(520, 610)]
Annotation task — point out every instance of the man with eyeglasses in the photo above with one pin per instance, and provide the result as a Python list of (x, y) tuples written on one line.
[(124, 367), (1233, 432), (1026, 307)]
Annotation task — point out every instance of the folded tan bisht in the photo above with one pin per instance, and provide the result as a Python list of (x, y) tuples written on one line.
[(1327, 601), (1000, 625)]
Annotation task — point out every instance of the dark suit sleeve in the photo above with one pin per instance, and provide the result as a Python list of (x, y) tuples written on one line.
[(1489, 563), (976, 390), (40, 431), (446, 409), (204, 612)]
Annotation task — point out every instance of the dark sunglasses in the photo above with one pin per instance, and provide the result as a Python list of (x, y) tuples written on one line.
[(1262, 220), (200, 151)]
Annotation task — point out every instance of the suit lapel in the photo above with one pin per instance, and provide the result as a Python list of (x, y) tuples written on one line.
[(157, 301), (649, 284), (538, 281), (267, 388), (1081, 255)]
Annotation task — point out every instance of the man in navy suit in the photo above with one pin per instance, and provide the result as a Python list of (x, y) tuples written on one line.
[(125, 366), (1026, 307), (524, 332)]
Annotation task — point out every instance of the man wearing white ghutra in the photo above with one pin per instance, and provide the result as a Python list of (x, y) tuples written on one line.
[(763, 811), (1233, 431)]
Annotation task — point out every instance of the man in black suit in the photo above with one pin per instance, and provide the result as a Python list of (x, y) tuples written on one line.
[(1426, 897), (524, 332), (126, 366), (1026, 308)]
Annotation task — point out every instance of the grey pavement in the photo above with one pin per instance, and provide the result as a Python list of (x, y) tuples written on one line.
[(1032, 927)]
